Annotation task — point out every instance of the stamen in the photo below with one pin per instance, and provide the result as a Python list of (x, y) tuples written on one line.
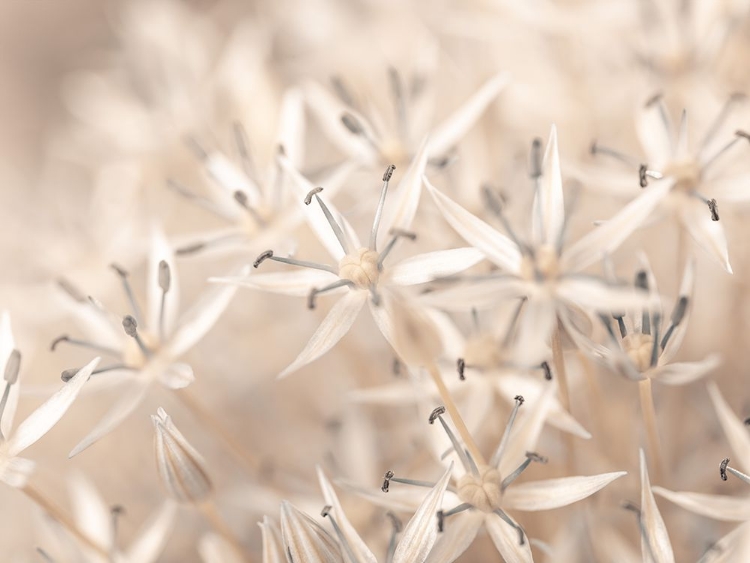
[(240, 140), (713, 158), (374, 295), (512, 524), (442, 515), (386, 486), (642, 179), (513, 322), (535, 159), (342, 91), (128, 291), (746, 422), (379, 211), (165, 280), (396, 527), (268, 255), (655, 343), (314, 292), (352, 124), (495, 205), (498, 455), (115, 513), (326, 513), (460, 367), (547, 371), (720, 119), (193, 197), (331, 221), (608, 325), (437, 415), (739, 474), (197, 148), (130, 325), (723, 468), (621, 325), (84, 344), (395, 234), (641, 282), (311, 193), (632, 507), (396, 367), (242, 200), (46, 556), (677, 315), (712, 207), (405, 481), (73, 292), (530, 456), (596, 149), (12, 367)]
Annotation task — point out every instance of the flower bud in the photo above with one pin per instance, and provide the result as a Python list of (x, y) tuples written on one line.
[(181, 467)]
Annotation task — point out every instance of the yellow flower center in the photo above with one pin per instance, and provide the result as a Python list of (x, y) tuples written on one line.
[(686, 174), (483, 351), (483, 492), (360, 268), (544, 262), (638, 347), (132, 353), (393, 151)]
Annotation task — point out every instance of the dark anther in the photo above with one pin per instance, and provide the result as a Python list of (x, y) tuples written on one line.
[(241, 198), (547, 371), (713, 207), (440, 519), (642, 175), (165, 276), (190, 249), (130, 325), (387, 481), (653, 99), (520, 399), (402, 233), (396, 367), (352, 123), (281, 150), (723, 468), (533, 456), (56, 341), (679, 311), (460, 366), (641, 280), (261, 257), (12, 367), (434, 415), (747, 421), (592, 148), (326, 510), (68, 374), (395, 522), (631, 506), (122, 272), (311, 298), (742, 134), (536, 158), (311, 193), (389, 172)]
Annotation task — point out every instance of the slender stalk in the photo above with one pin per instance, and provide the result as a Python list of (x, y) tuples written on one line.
[(204, 415), (64, 519), (653, 443), (560, 373), (458, 421), (220, 526), (596, 398)]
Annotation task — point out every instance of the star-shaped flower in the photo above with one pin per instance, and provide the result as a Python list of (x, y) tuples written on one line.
[(549, 276), (361, 270), (146, 346)]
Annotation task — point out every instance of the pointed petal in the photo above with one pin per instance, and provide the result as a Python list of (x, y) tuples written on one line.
[(426, 267), (273, 551), (127, 403), (151, 539), (734, 546), (297, 283), (177, 376), (358, 546), (496, 246), (718, 507), (605, 238), (450, 131), (161, 250), (708, 234), (92, 515), (734, 429), (50, 412), (458, 535), (554, 493), (549, 207), (291, 126), (305, 540), (421, 532), (198, 320), (401, 205), (16, 472), (505, 539), (483, 294), (653, 524), (595, 294), (681, 373), (333, 328), (654, 132)]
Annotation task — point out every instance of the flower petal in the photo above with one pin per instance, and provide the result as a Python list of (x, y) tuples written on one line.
[(458, 535), (505, 539), (421, 532), (655, 539), (294, 282), (333, 328), (605, 238), (734, 428), (426, 267), (127, 403), (718, 507), (177, 376), (709, 234), (681, 373), (152, 537), (549, 207), (450, 131), (50, 412), (273, 551), (654, 131), (91, 513), (538, 318), (595, 294), (554, 493), (496, 246), (305, 540), (482, 294), (355, 542)]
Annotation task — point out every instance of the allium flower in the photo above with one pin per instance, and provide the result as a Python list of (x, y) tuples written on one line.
[(362, 131), (544, 272), (146, 344), (360, 270), (484, 490), (14, 470), (644, 344), (699, 175)]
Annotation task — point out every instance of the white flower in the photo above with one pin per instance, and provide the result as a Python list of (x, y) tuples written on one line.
[(360, 270), (544, 272), (146, 344), (655, 544), (14, 470)]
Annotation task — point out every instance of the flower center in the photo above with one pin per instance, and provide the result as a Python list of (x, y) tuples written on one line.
[(482, 351), (360, 268), (393, 151), (542, 264), (483, 492), (133, 355), (686, 173), (638, 347)]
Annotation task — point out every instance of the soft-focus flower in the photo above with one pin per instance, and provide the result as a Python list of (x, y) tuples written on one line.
[(655, 544), (146, 344)]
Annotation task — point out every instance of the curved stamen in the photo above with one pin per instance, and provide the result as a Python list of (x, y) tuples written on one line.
[(124, 275), (381, 204), (498, 455)]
